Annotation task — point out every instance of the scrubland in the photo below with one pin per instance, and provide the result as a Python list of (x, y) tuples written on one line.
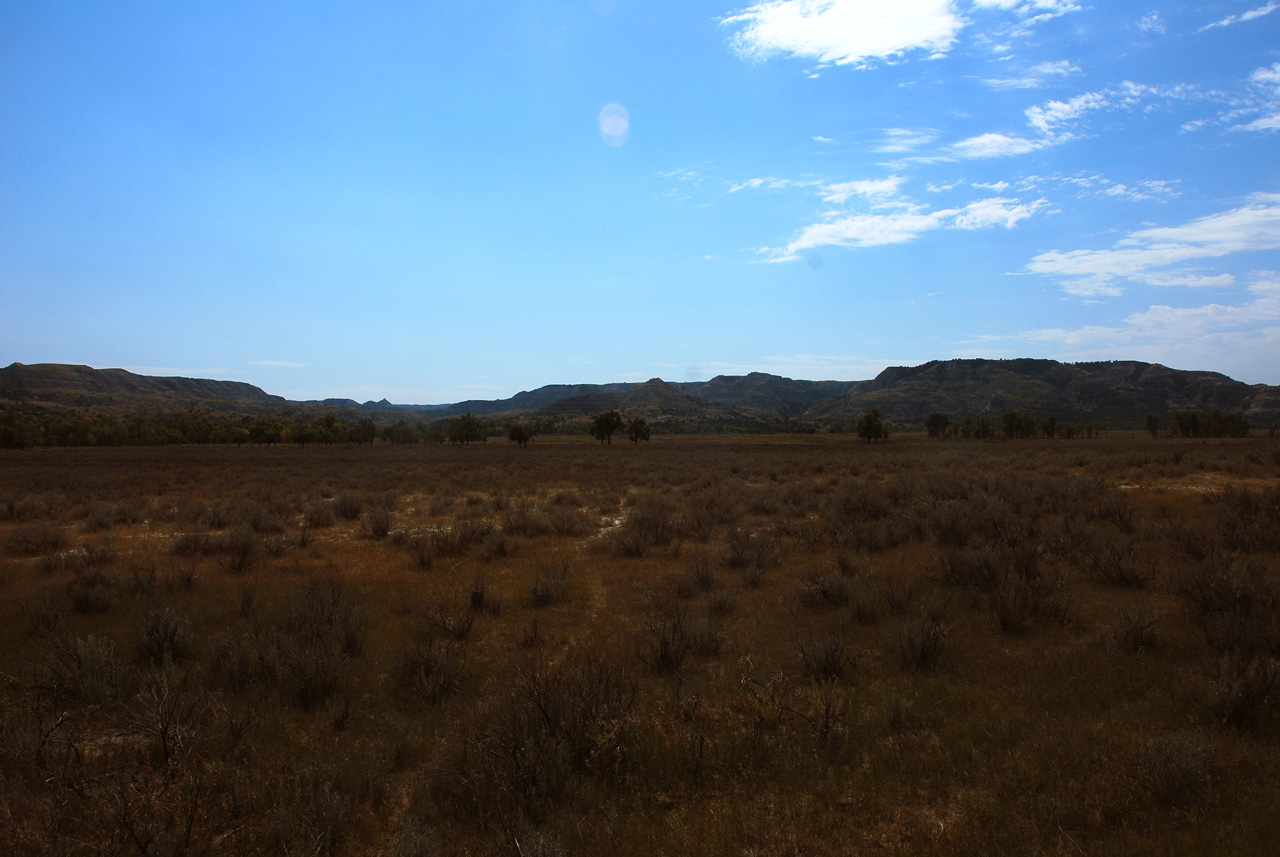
[(799, 645)]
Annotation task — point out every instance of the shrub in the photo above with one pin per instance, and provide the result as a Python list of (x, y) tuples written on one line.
[(667, 645), (427, 670), (34, 538), (550, 585), (319, 515), (721, 603), (241, 549), (974, 570), (456, 623), (558, 722), (93, 590), (825, 659), (1113, 561), (1234, 603), (1013, 604), (650, 523), (1175, 769), (461, 536), (820, 589), (164, 636), (1135, 629), (920, 642), (1246, 691), (378, 523), (348, 507), (86, 670)]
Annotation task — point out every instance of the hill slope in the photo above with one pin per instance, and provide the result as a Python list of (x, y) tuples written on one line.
[(1117, 393), (84, 386)]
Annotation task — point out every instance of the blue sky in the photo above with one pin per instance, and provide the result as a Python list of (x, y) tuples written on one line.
[(433, 202)]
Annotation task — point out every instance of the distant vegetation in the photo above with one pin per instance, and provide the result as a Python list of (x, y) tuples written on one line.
[(19, 430)]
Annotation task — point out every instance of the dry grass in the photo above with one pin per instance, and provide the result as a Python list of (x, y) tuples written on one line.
[(703, 645)]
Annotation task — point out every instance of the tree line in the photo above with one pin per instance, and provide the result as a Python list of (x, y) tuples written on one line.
[(20, 429)]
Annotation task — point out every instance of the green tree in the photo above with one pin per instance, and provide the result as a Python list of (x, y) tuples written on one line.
[(465, 430), (1152, 424), (605, 424), (521, 433), (871, 427), (936, 424), (1188, 423), (638, 430)]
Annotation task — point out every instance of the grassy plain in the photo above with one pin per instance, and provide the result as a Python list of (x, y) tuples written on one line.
[(792, 645)]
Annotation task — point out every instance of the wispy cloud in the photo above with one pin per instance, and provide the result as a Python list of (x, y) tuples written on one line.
[(1055, 122), (772, 183), (1241, 18), (1148, 255), (1151, 23), (900, 227), (873, 189), (993, 146), (1034, 77), (845, 32), (905, 139)]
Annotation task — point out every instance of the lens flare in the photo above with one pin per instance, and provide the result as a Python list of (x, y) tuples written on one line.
[(614, 124)]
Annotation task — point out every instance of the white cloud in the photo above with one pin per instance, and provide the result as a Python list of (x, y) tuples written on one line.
[(770, 183), (820, 139), (993, 146), (1053, 119), (1046, 117), (845, 32), (1240, 19), (873, 189), (1147, 254), (905, 139), (1144, 190), (1034, 77), (900, 227), (1151, 23)]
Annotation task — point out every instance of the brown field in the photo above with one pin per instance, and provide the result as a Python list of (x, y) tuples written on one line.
[(747, 646)]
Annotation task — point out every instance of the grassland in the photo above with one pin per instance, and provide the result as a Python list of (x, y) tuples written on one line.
[(801, 645)]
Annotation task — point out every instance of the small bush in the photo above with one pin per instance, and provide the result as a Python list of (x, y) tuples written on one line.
[(319, 515), (721, 603), (920, 642), (427, 670), (822, 590), (348, 507), (1246, 691), (241, 548), (34, 538), (550, 585), (164, 637), (1113, 561), (1175, 769), (825, 659), (378, 523), (86, 670), (1135, 629), (93, 591)]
